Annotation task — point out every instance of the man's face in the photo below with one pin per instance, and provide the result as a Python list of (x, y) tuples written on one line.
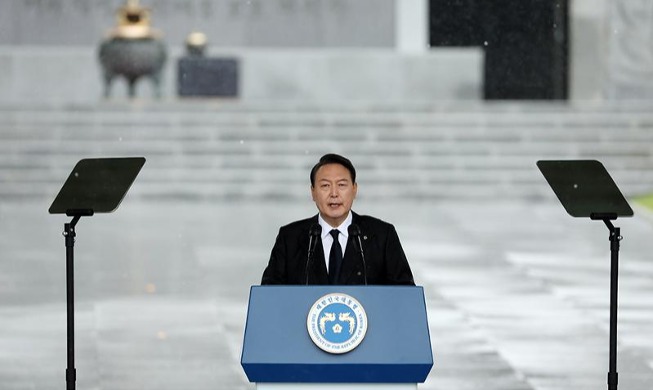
[(333, 193)]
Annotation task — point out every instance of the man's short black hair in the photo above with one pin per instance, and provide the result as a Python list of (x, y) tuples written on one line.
[(333, 158)]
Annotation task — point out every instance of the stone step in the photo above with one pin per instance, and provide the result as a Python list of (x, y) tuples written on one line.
[(250, 151), (294, 183)]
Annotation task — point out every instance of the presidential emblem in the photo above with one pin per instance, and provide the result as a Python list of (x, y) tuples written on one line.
[(337, 323)]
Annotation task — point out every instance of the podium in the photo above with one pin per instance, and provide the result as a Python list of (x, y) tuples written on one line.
[(284, 347)]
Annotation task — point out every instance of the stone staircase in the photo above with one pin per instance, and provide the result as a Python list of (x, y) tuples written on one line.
[(220, 149)]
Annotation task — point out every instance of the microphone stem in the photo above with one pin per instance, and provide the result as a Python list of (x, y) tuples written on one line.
[(311, 250), (360, 246)]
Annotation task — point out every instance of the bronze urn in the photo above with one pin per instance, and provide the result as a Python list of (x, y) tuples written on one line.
[(132, 49)]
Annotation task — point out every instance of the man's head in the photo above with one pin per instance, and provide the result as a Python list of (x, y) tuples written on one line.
[(333, 187)]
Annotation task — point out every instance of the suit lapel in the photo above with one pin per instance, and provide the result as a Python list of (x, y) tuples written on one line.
[(319, 273), (352, 262), (317, 269), (349, 262)]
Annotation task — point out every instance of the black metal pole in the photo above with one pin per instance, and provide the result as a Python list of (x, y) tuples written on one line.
[(615, 237), (69, 235)]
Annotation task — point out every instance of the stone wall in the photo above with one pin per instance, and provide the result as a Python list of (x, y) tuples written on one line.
[(72, 75), (630, 59), (231, 23), (310, 49)]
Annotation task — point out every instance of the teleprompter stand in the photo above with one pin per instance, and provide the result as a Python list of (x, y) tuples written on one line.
[(586, 190), (94, 186)]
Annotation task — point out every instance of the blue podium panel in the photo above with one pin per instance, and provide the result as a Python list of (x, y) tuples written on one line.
[(396, 347)]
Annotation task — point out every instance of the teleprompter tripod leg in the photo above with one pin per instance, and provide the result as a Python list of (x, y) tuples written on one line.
[(69, 236), (615, 237)]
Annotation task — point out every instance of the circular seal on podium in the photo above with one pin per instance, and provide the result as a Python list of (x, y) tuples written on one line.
[(337, 323)]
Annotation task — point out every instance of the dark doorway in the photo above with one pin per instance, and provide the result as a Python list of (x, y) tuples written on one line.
[(525, 43)]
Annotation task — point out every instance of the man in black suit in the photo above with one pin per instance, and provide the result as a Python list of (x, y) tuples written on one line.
[(335, 237)]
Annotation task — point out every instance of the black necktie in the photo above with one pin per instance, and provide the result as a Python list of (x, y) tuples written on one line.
[(335, 258)]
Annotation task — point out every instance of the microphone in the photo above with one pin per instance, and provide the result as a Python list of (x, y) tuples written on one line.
[(313, 234), (355, 232)]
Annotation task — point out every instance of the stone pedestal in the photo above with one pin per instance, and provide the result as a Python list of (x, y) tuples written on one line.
[(205, 76)]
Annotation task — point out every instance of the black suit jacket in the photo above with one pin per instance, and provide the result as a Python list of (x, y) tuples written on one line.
[(384, 256)]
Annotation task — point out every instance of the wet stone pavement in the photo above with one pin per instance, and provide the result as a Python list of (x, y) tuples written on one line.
[(517, 293)]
